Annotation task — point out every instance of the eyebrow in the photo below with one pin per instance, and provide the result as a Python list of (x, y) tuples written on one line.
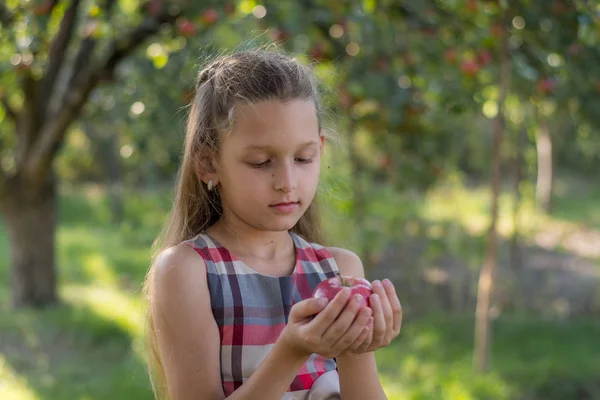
[(304, 145)]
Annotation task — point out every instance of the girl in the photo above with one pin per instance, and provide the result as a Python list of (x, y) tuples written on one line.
[(231, 314)]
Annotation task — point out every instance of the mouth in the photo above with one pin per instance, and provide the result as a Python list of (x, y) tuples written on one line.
[(285, 207)]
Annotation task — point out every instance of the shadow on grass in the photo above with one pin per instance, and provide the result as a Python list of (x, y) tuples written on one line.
[(71, 352), (432, 359)]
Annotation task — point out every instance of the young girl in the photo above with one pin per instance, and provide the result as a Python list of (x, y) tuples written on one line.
[(231, 314)]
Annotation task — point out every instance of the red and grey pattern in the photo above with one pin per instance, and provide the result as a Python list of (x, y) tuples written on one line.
[(251, 309)]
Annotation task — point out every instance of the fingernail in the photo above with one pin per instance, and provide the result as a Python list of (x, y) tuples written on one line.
[(346, 292), (376, 284), (357, 298), (387, 282), (323, 301)]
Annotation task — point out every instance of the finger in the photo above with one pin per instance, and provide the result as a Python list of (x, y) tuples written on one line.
[(378, 319), (306, 308), (395, 305), (354, 330), (368, 342), (363, 340), (330, 313), (385, 304), (340, 326)]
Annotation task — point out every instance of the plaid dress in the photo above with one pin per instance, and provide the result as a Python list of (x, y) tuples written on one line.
[(251, 310)]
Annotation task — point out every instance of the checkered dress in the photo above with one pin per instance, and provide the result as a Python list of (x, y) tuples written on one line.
[(251, 310)]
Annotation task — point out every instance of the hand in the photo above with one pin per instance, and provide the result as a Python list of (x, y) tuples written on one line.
[(335, 327), (387, 317)]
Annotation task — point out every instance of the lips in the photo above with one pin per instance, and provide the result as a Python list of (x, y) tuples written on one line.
[(285, 207)]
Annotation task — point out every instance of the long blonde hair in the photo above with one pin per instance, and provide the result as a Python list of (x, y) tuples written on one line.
[(244, 77)]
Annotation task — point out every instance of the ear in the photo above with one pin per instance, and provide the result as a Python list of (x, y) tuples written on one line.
[(205, 170), (322, 138)]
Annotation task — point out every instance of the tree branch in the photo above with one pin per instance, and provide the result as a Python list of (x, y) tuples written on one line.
[(84, 81), (57, 53), (27, 118)]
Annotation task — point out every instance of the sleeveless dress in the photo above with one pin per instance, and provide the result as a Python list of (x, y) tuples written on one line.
[(251, 309)]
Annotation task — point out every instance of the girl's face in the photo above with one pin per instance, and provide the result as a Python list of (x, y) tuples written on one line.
[(268, 166)]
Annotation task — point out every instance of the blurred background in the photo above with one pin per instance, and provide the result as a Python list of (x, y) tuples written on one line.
[(469, 147)]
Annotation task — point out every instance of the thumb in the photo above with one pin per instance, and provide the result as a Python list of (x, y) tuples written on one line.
[(306, 308)]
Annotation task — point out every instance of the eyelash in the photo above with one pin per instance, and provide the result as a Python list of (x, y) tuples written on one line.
[(267, 162)]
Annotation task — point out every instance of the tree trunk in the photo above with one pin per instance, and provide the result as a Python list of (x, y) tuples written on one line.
[(486, 275), (544, 157), (30, 217)]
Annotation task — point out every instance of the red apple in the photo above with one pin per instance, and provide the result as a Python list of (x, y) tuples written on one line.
[(496, 30), (43, 8), (484, 57), (470, 67), (229, 8), (186, 27), (472, 6), (210, 16), (546, 86), (330, 287), (450, 55), (154, 8)]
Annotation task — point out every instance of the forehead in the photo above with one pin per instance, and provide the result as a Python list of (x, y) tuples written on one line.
[(274, 123)]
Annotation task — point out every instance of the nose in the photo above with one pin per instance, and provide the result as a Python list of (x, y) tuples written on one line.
[(285, 178)]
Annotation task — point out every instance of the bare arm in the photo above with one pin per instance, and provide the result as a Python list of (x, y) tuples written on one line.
[(359, 378)]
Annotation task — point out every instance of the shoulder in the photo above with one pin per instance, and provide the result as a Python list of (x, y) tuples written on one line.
[(347, 262), (177, 268)]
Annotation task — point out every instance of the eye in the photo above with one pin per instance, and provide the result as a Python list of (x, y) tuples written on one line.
[(260, 164), (303, 160)]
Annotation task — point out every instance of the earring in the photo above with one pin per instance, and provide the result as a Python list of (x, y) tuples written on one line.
[(210, 185)]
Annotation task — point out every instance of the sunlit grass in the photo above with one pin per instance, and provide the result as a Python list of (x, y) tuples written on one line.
[(110, 304), (12, 385), (470, 207)]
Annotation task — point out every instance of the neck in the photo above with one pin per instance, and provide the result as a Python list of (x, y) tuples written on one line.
[(245, 240)]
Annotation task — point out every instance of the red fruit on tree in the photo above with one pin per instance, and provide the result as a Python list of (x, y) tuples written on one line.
[(229, 8), (546, 86), (496, 30), (450, 56), (470, 67), (484, 58), (43, 8), (558, 7), (210, 16), (472, 6), (330, 287), (280, 34), (185, 27), (154, 8), (317, 52)]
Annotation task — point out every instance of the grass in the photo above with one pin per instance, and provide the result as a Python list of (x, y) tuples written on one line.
[(90, 347)]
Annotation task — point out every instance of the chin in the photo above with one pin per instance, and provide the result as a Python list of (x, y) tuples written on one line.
[(278, 224)]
